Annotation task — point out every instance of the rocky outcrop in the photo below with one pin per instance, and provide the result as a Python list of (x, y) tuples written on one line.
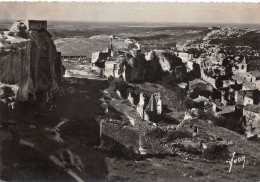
[(144, 70), (29, 59), (136, 66), (152, 65)]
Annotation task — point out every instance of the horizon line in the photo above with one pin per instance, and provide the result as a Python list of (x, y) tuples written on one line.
[(221, 23)]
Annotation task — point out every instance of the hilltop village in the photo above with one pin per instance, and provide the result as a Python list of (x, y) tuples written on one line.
[(127, 112), (176, 91)]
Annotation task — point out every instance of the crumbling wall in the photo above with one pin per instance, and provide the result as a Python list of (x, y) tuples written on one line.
[(208, 79), (110, 68), (155, 103), (121, 136), (95, 57), (33, 64), (36, 25), (131, 98), (140, 106)]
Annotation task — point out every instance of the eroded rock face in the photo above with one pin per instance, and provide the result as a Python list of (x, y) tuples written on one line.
[(152, 65), (144, 70), (33, 64), (19, 29)]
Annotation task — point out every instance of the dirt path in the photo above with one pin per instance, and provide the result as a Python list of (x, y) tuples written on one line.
[(57, 143)]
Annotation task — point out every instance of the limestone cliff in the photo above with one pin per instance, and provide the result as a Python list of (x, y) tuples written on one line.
[(30, 60), (152, 66)]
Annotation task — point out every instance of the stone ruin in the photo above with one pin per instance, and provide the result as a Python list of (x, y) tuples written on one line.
[(141, 107), (29, 60), (155, 103), (146, 107), (30, 70)]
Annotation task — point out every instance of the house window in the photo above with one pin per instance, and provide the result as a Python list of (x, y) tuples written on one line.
[(251, 79), (242, 67)]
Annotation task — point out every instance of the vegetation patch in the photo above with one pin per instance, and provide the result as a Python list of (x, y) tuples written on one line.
[(177, 134)]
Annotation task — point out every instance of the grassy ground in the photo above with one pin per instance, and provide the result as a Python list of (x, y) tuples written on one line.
[(80, 46), (180, 169)]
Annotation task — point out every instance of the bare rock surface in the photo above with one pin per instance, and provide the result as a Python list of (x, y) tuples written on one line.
[(30, 60)]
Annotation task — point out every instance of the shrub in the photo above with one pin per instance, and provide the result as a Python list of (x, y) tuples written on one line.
[(177, 134), (189, 104), (191, 150), (199, 173), (156, 133), (214, 152)]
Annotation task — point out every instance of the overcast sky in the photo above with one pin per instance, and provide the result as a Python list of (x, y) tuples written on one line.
[(135, 12)]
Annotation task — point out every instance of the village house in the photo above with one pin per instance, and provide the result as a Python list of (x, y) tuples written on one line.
[(184, 56), (254, 77), (250, 80), (247, 97)]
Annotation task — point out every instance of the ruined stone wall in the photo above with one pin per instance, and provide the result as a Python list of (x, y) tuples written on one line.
[(126, 136), (155, 103), (95, 56), (153, 146), (208, 79), (15, 68), (33, 64), (140, 107), (110, 68), (36, 25)]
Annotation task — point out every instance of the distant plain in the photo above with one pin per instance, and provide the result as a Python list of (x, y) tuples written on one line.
[(83, 38)]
